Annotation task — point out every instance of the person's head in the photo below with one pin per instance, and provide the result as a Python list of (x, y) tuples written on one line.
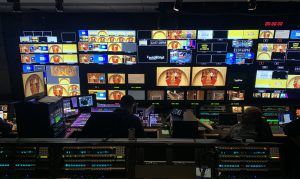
[(127, 102), (251, 115)]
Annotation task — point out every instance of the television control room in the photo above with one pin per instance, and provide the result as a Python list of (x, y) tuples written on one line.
[(150, 89)]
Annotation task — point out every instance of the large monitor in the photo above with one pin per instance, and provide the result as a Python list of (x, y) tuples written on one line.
[(173, 76), (271, 79), (209, 76), (33, 84), (63, 80)]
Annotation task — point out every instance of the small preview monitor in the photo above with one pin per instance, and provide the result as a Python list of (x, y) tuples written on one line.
[(136, 78), (156, 95), (86, 101), (285, 118), (116, 78), (137, 94), (96, 78), (180, 56)]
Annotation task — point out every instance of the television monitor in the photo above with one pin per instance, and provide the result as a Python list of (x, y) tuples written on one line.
[(195, 95), (295, 34), (181, 44), (68, 37), (209, 76), (33, 84), (175, 95), (237, 109), (63, 80), (116, 94), (205, 34), (235, 34), (203, 58), (86, 101), (159, 34), (136, 78), (156, 95), (220, 34), (204, 47), (282, 34), (219, 47), (152, 54), (129, 59), (173, 76), (215, 95), (266, 34), (271, 79), (96, 78), (100, 94), (285, 118), (236, 95), (116, 78), (293, 82), (180, 56), (250, 34), (137, 94), (115, 59), (228, 119)]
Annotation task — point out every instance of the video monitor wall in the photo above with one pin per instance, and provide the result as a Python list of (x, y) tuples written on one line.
[(172, 66)]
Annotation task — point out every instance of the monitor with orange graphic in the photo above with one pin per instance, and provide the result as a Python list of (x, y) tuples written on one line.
[(173, 76), (209, 76)]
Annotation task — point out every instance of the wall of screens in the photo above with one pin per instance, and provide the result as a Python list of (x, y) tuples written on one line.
[(166, 65)]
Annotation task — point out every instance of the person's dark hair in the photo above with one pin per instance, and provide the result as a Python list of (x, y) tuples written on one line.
[(127, 101), (254, 116)]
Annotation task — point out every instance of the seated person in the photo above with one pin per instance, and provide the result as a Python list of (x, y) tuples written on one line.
[(5, 128), (252, 126), (116, 124)]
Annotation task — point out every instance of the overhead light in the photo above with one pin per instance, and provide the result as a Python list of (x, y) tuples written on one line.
[(252, 5), (59, 5), (177, 5)]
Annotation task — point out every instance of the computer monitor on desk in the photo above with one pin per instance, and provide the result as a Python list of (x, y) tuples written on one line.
[(285, 118)]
